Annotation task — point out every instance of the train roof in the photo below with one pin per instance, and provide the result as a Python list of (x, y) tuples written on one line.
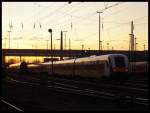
[(100, 57), (91, 58)]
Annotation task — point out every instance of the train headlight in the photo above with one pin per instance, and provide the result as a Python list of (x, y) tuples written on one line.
[(118, 69)]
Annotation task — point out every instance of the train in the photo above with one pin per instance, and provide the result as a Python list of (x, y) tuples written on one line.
[(139, 67), (102, 66)]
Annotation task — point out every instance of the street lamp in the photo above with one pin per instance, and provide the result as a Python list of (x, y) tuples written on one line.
[(50, 31)]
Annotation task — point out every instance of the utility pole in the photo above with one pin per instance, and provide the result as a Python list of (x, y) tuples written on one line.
[(61, 41), (82, 47), (5, 42), (99, 31), (47, 47), (69, 44), (135, 44), (54, 46), (101, 46), (107, 46), (10, 27), (47, 44), (61, 44), (132, 37), (101, 11), (9, 38), (131, 45), (65, 38)]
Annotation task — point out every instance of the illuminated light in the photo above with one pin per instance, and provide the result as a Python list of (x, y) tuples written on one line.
[(117, 69)]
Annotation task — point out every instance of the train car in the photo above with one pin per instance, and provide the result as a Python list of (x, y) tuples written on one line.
[(14, 67), (138, 67), (18, 67), (111, 65)]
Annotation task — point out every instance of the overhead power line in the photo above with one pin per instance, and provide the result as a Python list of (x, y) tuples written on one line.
[(107, 7)]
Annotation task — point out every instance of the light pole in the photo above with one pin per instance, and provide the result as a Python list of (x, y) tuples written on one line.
[(50, 31), (47, 44), (47, 47)]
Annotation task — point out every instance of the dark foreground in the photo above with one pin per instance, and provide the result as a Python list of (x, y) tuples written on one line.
[(40, 98)]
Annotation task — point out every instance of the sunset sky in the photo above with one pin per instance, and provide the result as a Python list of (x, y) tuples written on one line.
[(31, 20)]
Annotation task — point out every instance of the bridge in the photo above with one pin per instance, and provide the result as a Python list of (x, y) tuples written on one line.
[(141, 55)]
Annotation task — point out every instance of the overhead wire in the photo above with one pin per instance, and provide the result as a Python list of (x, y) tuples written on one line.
[(40, 11), (56, 10)]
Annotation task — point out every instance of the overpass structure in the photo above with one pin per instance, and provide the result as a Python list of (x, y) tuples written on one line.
[(141, 55)]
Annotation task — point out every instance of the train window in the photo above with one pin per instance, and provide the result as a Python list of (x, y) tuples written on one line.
[(119, 61)]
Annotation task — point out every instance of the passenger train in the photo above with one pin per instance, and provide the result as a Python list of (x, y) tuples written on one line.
[(110, 65)]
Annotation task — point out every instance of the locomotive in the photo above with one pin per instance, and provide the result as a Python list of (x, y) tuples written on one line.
[(110, 65)]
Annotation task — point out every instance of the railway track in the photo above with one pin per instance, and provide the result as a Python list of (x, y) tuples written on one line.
[(129, 84), (7, 106), (105, 84), (107, 91), (110, 86), (132, 81), (138, 81)]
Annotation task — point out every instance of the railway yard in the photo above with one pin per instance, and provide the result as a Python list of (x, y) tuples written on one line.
[(75, 56), (29, 92)]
